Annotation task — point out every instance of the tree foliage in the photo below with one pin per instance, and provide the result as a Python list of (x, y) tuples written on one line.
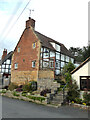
[(80, 54), (66, 71), (73, 91)]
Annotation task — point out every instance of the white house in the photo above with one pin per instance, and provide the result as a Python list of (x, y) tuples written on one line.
[(82, 75)]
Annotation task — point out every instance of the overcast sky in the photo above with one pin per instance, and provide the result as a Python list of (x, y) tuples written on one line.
[(65, 21)]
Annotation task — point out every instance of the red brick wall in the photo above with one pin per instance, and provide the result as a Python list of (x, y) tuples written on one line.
[(27, 53)]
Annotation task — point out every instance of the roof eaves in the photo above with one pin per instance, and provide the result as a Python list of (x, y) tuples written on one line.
[(83, 63)]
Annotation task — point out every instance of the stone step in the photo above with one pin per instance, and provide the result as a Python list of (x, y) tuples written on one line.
[(55, 102)]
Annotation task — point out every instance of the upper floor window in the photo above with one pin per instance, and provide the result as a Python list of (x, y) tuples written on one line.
[(16, 65), (34, 45), (51, 64), (57, 47), (18, 50), (8, 61), (33, 64)]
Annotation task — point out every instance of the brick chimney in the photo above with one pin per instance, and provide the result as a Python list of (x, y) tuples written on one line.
[(4, 53), (30, 23)]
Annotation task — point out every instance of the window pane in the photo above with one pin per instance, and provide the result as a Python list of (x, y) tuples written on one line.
[(83, 84), (51, 64), (18, 50), (57, 47), (16, 65), (45, 64), (57, 72), (57, 64), (58, 56), (7, 66), (62, 57), (52, 54), (67, 59), (62, 64), (41, 49), (3, 66), (72, 60), (33, 64), (45, 55), (8, 61), (6, 70)]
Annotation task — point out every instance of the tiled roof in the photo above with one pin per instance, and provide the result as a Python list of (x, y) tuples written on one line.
[(45, 41), (9, 55), (83, 63)]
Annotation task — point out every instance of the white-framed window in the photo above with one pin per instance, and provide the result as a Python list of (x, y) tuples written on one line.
[(57, 72), (62, 64), (8, 61), (16, 65), (34, 45), (45, 64), (41, 49), (3, 66), (51, 64), (33, 64), (57, 55), (18, 49), (67, 58), (62, 57), (72, 60), (7, 66), (57, 64), (52, 54)]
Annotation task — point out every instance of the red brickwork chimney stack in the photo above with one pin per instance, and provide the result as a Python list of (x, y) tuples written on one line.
[(4, 53), (30, 23)]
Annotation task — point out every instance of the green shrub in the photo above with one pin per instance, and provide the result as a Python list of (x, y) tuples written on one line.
[(36, 98), (12, 86), (27, 87), (15, 94), (78, 100), (86, 97), (24, 94), (61, 86), (73, 91), (3, 91)]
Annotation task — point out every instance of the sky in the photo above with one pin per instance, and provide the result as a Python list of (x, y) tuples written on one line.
[(65, 21)]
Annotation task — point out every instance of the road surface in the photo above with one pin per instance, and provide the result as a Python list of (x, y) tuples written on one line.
[(13, 108)]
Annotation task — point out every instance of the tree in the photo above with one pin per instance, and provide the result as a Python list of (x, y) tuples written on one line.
[(77, 53), (68, 67), (86, 52), (66, 71), (80, 54)]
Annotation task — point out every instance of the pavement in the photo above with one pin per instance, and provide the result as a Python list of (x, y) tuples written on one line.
[(13, 108)]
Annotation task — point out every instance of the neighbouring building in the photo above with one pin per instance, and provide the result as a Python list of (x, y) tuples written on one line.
[(82, 75), (5, 67), (38, 57)]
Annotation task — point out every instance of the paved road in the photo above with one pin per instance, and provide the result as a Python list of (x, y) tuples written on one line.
[(13, 108)]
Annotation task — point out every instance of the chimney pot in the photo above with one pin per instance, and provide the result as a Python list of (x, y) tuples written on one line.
[(4, 53)]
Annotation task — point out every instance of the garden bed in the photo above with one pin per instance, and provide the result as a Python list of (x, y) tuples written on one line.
[(24, 96), (81, 106)]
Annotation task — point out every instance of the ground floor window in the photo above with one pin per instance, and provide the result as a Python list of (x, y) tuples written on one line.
[(85, 82)]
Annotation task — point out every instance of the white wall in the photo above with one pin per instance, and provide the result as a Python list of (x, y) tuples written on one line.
[(83, 71)]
